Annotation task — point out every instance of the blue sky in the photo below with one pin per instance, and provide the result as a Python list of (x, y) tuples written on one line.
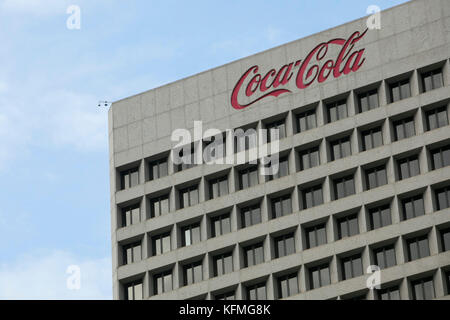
[(53, 138)]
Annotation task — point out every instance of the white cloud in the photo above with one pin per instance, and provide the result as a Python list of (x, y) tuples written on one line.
[(43, 276)]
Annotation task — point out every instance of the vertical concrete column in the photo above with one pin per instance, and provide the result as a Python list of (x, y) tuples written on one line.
[(240, 295), (177, 276), (365, 257), (295, 200), (145, 247), (334, 274), (203, 228), (207, 265), (265, 209), (327, 189), (146, 286), (382, 94), (232, 180), (414, 84), (433, 238), (439, 284), (404, 290), (201, 190), (330, 229), (354, 141), (390, 170), (234, 219), (419, 121), (289, 124), (291, 161), (423, 161), (427, 199), (321, 113), (351, 106), (386, 132), (142, 177), (323, 151), (302, 275), (270, 287), (358, 180), (446, 73), (362, 221), (266, 247), (144, 209), (396, 210), (399, 251)]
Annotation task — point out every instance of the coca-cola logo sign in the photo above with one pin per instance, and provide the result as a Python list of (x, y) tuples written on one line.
[(257, 86)]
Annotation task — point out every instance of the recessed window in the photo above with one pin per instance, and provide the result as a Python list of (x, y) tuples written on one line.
[(437, 118), (132, 252), (432, 80), (192, 273), (162, 282), (226, 296), (380, 217), (400, 90), (312, 196), (445, 236), (190, 234), (281, 206), (248, 177), (309, 158), (161, 244), (284, 245), (340, 148), (440, 157), (134, 290), (223, 264), (316, 236), (344, 187), (391, 293), (423, 289), (129, 178), (218, 187), (253, 254), (283, 168), (131, 215), (214, 149), (337, 110), (276, 125), (245, 139), (306, 121), (372, 138), (408, 167), (220, 225), (187, 160), (348, 226), (376, 177), (257, 292), (385, 257), (368, 100), (352, 267), (442, 198), (158, 168), (404, 128), (413, 207), (189, 197), (250, 215), (288, 285), (159, 206), (418, 248), (319, 276)]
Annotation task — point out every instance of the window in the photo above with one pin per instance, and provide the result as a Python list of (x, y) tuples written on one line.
[(432, 80), (418, 248), (440, 157), (245, 139), (218, 187), (340, 148), (190, 234), (413, 207), (368, 100), (400, 90), (312, 197), (344, 187), (288, 285), (380, 217), (442, 198), (131, 215), (392, 293), (284, 245), (187, 161), (193, 273), (337, 110), (250, 216), (189, 197), (437, 118), (319, 276), (372, 138), (223, 264), (348, 226), (225, 296), (404, 128), (306, 121), (376, 177), (316, 236), (158, 169), (253, 254), (214, 148), (248, 177), (281, 206), (277, 125), (162, 282), (352, 267), (159, 205), (257, 292), (408, 167), (134, 290), (423, 289), (385, 257), (129, 178), (161, 244), (283, 168), (132, 252), (220, 225), (309, 158), (445, 235)]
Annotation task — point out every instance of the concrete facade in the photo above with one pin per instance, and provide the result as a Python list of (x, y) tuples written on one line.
[(414, 38)]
